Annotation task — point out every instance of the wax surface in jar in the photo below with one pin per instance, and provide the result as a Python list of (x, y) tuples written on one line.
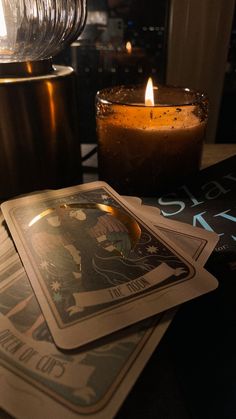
[(149, 146)]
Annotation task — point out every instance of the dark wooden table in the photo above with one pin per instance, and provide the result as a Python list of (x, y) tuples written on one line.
[(192, 373)]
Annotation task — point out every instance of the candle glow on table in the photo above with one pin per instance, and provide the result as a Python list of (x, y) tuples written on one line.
[(149, 141)]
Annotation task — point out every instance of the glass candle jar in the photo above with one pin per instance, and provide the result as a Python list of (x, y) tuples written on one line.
[(144, 149)]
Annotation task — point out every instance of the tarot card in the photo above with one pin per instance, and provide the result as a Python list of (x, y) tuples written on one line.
[(95, 266), (30, 362), (196, 242), (40, 378), (10, 263)]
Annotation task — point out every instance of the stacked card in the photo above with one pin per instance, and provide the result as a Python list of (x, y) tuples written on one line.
[(81, 319)]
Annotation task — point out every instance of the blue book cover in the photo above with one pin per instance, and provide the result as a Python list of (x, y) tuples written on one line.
[(208, 200)]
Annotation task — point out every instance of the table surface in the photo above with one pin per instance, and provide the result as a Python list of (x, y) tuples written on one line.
[(213, 153), (192, 373)]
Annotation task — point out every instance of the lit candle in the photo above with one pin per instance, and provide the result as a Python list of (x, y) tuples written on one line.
[(149, 94), (128, 47), (149, 141)]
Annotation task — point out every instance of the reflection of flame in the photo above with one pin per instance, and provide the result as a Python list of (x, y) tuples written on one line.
[(3, 29), (149, 94), (35, 11), (129, 47), (52, 107)]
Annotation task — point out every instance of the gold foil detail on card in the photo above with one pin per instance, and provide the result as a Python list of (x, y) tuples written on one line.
[(40, 216)]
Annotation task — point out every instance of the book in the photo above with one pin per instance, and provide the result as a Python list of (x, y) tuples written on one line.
[(208, 200)]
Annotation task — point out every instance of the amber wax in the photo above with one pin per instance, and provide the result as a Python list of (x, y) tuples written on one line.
[(147, 149)]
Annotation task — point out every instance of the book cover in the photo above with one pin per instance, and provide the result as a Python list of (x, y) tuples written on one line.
[(208, 200)]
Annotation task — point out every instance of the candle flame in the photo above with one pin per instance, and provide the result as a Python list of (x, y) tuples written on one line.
[(149, 94), (3, 28), (129, 47)]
